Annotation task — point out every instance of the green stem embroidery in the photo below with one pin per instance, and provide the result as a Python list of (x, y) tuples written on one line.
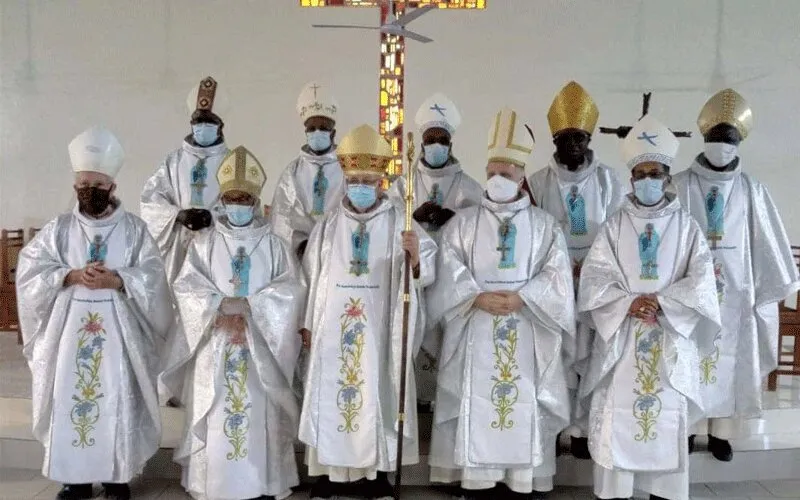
[(504, 391), (350, 398), (647, 406), (237, 420), (708, 365), (85, 411)]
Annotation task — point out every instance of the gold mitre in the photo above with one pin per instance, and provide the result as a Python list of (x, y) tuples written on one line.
[(364, 150), (241, 171), (727, 106), (573, 107)]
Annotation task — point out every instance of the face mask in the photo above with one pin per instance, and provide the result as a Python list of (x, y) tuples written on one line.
[(720, 154), (205, 134), (436, 155), (362, 196), (93, 200), (318, 140), (649, 191), (239, 215), (501, 189)]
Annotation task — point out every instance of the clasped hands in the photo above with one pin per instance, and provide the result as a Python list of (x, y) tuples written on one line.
[(645, 308), (432, 213), (500, 303), (234, 325), (95, 276), (194, 219)]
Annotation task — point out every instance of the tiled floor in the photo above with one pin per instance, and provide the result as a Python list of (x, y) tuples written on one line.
[(17, 484)]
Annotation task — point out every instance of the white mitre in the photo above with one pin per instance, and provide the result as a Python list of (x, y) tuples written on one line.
[(510, 140), (207, 95), (649, 140), (316, 100), (437, 111), (96, 150)]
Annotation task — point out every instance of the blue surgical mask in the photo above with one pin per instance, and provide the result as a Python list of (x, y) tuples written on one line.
[(239, 215), (318, 140), (362, 196), (649, 191), (205, 134), (436, 155)]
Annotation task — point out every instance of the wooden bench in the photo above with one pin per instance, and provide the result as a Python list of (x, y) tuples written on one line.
[(788, 356)]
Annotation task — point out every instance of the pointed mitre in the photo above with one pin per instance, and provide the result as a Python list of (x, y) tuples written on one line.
[(316, 100), (207, 96), (649, 140), (438, 112), (364, 150), (96, 150), (726, 106), (573, 108), (510, 140), (240, 170)]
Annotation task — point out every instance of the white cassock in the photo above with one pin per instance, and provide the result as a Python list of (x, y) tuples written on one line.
[(186, 179), (643, 381), (93, 353), (310, 187), (502, 395), (354, 263), (581, 201), (241, 410), (754, 270), (449, 187)]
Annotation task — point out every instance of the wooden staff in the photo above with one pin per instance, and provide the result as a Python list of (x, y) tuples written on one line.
[(401, 416)]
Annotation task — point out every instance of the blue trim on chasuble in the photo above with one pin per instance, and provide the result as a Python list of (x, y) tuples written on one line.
[(649, 242), (199, 176), (360, 242), (647, 406), (350, 398), (576, 208), (715, 206), (319, 190), (240, 267), (505, 391), (507, 236), (98, 249), (237, 401), (85, 412)]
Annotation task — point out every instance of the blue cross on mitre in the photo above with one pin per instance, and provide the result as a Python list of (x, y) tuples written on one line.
[(438, 109), (648, 138)]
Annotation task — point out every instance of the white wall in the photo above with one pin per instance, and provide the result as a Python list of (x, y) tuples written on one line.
[(69, 64)]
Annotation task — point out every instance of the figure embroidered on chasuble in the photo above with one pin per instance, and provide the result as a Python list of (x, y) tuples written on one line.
[(86, 412), (507, 233), (350, 399), (240, 267), (505, 391), (319, 190), (715, 210), (97, 249), (360, 263), (199, 176), (648, 252), (577, 212), (647, 406)]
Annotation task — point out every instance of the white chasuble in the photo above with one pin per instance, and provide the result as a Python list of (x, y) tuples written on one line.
[(90, 361), (500, 423), (648, 415), (237, 445), (354, 334)]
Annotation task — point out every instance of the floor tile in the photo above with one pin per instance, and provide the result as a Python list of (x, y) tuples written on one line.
[(783, 489), (745, 488), (10, 474), (700, 490), (23, 490)]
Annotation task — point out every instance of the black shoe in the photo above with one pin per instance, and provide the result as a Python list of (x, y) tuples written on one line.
[(478, 494), (656, 497), (598, 498), (263, 497), (173, 403), (380, 487), (580, 448), (720, 449), (323, 488), (691, 443), (75, 492), (116, 491)]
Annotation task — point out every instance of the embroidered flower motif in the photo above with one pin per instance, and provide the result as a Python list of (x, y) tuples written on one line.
[(648, 353), (85, 412), (504, 391), (237, 402), (349, 398)]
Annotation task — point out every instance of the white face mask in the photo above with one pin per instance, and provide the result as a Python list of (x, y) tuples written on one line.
[(720, 154), (501, 190)]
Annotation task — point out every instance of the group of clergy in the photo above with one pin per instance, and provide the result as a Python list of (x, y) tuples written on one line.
[(559, 303)]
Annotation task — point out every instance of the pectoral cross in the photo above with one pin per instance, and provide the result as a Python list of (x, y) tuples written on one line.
[(505, 247), (622, 131), (714, 238)]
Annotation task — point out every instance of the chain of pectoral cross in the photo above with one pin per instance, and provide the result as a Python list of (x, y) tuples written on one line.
[(623, 130), (102, 243), (504, 231), (237, 279)]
